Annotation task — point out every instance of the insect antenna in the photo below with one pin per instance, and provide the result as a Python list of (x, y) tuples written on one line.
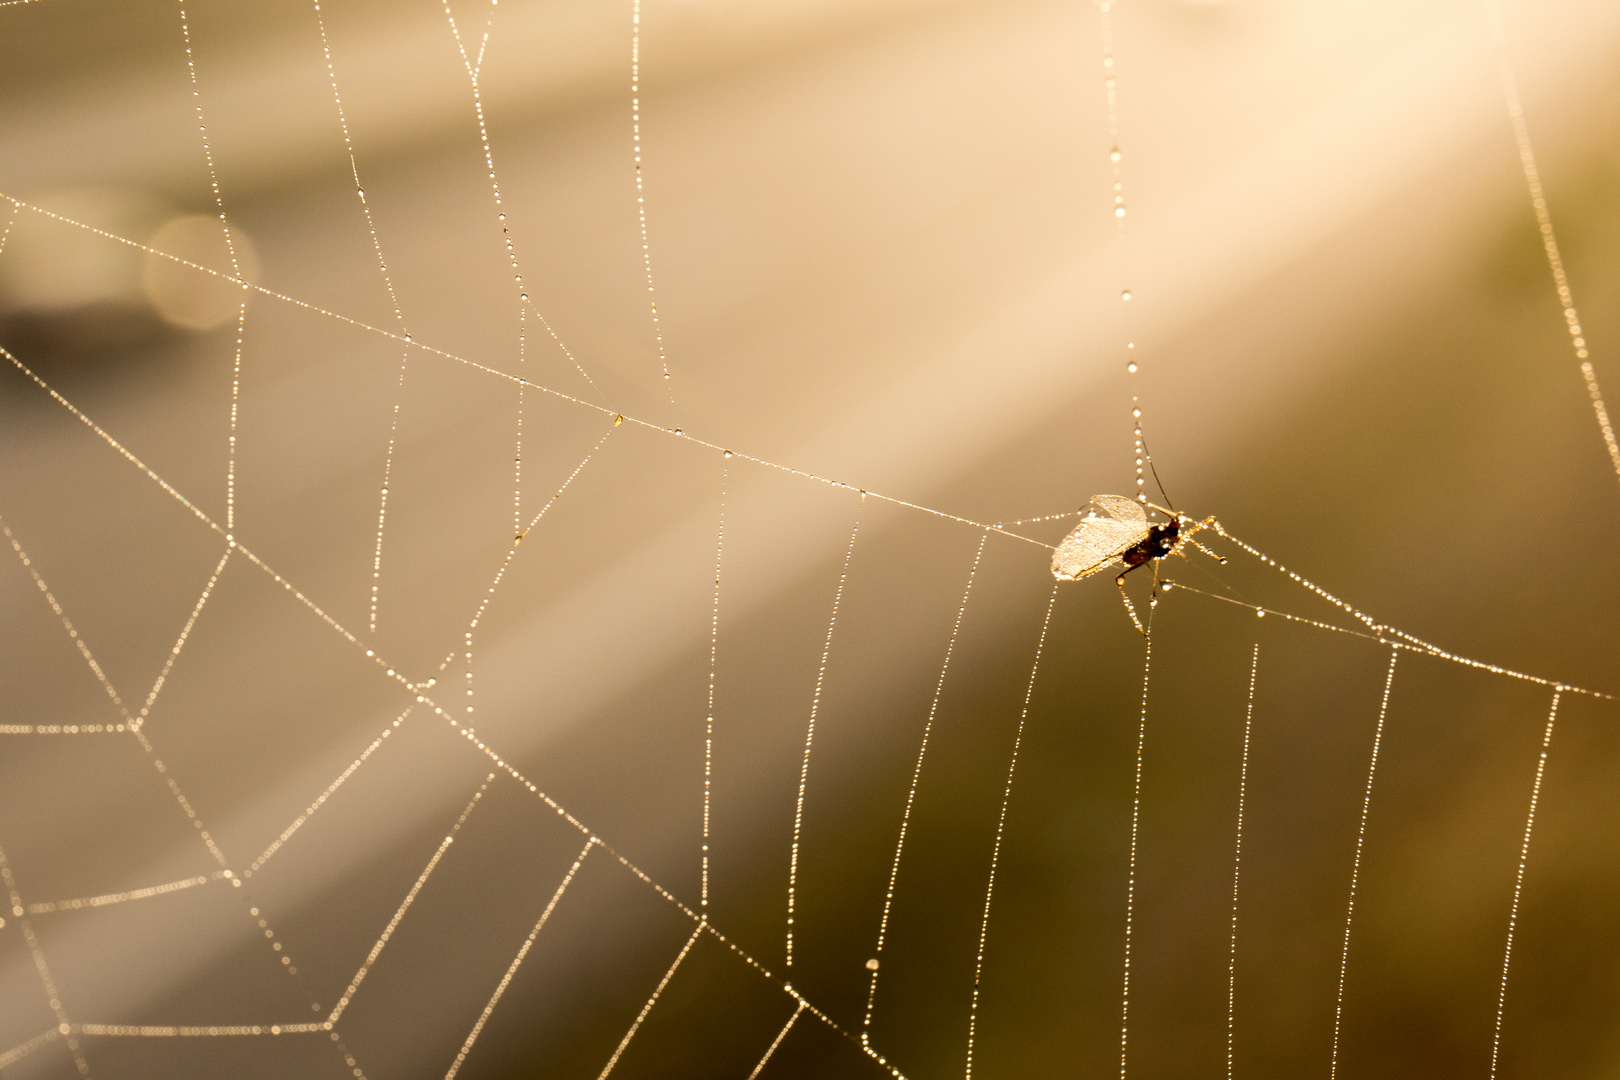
[(1149, 455)]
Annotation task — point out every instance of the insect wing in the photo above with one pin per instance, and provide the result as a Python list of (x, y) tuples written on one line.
[(1110, 526)]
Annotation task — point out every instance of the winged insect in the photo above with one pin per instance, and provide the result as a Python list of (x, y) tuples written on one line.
[(1115, 531)]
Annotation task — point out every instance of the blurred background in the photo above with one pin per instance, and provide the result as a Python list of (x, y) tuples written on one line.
[(883, 251)]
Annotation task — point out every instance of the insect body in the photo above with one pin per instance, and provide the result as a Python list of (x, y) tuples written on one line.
[(1114, 531)]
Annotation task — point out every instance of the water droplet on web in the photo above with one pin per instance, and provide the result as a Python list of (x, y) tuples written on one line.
[(872, 965), (1119, 211), (1126, 295), (1137, 413), (1114, 155), (1259, 613), (1131, 367)]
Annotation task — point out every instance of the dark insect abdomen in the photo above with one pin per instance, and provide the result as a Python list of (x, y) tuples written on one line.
[(1161, 540)]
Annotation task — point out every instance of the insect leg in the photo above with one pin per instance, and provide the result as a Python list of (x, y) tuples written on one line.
[(1207, 523), (1218, 558), (1130, 609)]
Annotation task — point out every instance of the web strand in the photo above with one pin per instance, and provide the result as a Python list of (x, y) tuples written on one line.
[(236, 408), (506, 563), (647, 1008), (1116, 157), (47, 982), (810, 735), (191, 1031), (67, 625), (105, 899), (641, 194), (714, 657), (393, 299), (1518, 881), (202, 131), (1237, 866), (1001, 830), (49, 1035), (1549, 239), (562, 812), (1130, 880), (776, 1042), (1355, 865), (911, 794), (511, 970), (474, 66), (130, 723), (618, 418), (405, 905), (320, 801), (525, 305), (236, 267), (1379, 631), (180, 643)]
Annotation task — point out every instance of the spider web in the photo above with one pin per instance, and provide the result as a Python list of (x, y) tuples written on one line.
[(567, 738)]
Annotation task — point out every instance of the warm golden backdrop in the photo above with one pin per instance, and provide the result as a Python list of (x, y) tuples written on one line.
[(883, 251)]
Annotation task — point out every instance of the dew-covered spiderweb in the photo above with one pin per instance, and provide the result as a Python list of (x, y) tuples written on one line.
[(526, 539)]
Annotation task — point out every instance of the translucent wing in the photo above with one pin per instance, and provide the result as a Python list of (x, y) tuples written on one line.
[(1110, 526)]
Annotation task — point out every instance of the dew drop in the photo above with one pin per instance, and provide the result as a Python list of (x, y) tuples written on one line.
[(1131, 367), (1114, 155), (1259, 613), (1119, 211), (1137, 413), (872, 965), (1126, 295)]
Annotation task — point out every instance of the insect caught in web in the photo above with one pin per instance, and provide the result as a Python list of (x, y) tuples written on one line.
[(1115, 531)]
